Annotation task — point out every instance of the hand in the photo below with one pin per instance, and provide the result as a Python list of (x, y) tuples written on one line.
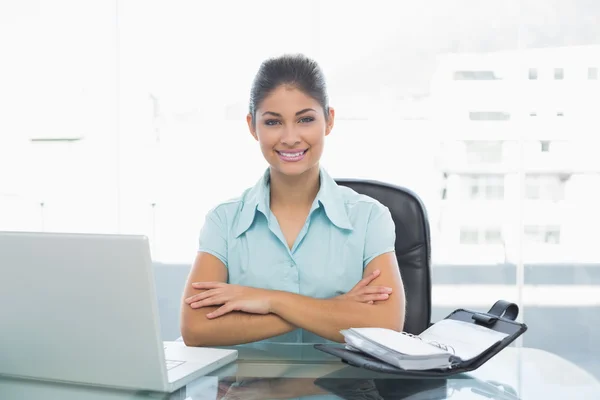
[(367, 294), (230, 298)]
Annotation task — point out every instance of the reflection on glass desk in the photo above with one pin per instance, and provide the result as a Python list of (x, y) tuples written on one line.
[(291, 371)]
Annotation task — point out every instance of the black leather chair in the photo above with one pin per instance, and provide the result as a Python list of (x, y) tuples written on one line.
[(413, 246)]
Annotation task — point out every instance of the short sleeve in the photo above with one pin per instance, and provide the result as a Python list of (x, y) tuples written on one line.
[(213, 237), (381, 234)]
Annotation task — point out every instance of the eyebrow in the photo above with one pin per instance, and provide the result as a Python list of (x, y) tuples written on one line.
[(279, 115)]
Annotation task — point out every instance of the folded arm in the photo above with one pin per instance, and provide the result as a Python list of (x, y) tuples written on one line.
[(324, 317), (327, 317), (231, 329), (215, 313)]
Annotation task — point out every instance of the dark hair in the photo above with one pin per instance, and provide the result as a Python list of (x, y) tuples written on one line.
[(296, 70)]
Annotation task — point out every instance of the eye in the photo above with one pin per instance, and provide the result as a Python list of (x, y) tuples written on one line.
[(306, 119), (271, 122)]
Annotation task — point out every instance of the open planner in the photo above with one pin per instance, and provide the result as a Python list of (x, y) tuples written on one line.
[(461, 342)]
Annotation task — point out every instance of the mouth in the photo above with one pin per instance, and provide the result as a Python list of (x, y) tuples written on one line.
[(291, 156)]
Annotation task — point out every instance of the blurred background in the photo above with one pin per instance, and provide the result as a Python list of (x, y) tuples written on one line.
[(129, 117)]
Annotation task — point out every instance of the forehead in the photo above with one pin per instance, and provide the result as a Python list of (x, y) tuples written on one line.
[(287, 99)]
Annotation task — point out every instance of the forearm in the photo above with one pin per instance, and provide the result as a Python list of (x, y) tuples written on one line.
[(326, 317), (231, 329), (292, 388)]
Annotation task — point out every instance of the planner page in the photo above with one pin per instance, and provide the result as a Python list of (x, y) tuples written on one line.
[(399, 342), (467, 340)]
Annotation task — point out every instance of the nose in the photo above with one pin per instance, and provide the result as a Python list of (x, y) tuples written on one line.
[(290, 137)]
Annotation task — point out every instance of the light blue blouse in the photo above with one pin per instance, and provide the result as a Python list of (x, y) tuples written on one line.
[(343, 232)]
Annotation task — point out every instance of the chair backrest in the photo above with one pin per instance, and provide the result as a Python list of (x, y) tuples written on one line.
[(413, 246)]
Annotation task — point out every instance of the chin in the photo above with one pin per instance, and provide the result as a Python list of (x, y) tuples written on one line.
[(295, 169), (291, 171)]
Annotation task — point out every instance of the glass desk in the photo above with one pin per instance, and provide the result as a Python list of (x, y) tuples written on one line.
[(292, 371)]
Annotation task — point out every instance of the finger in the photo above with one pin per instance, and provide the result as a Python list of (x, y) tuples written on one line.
[(227, 308), (367, 279), (376, 289), (374, 297), (202, 296), (362, 283), (208, 285), (370, 302), (212, 301)]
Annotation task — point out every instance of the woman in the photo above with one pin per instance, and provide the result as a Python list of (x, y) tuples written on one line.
[(296, 258)]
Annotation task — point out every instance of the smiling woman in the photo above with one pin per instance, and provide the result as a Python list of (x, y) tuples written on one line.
[(296, 258)]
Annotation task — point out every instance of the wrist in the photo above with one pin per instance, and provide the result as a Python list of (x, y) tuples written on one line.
[(275, 299)]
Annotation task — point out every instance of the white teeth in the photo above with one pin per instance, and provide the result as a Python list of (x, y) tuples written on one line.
[(291, 154)]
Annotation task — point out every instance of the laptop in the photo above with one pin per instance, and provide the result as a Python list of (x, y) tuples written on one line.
[(82, 308)]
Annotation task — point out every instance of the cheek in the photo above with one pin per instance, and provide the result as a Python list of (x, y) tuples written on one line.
[(266, 141), (316, 137), (267, 150)]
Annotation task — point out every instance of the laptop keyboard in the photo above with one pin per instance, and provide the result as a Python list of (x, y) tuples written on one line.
[(172, 364)]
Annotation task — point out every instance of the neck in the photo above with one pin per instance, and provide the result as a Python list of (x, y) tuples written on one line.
[(294, 191)]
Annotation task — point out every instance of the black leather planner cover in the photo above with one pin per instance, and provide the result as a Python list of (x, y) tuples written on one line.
[(407, 388), (501, 318)]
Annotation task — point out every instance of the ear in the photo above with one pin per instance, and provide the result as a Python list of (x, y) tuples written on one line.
[(251, 126), (330, 121)]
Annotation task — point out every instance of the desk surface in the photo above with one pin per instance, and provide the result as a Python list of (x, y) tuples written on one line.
[(283, 371)]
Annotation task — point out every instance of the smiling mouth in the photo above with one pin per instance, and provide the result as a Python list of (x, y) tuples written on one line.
[(291, 154)]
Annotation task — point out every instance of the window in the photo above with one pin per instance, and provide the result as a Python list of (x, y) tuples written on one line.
[(549, 187), (475, 76), (484, 152), (542, 234), (494, 192), (469, 236), (545, 146), (480, 235), (488, 116), (493, 236), (552, 236), (559, 73), (533, 73), (483, 187), (592, 73)]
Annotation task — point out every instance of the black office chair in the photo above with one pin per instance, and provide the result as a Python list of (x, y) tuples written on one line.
[(413, 246)]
